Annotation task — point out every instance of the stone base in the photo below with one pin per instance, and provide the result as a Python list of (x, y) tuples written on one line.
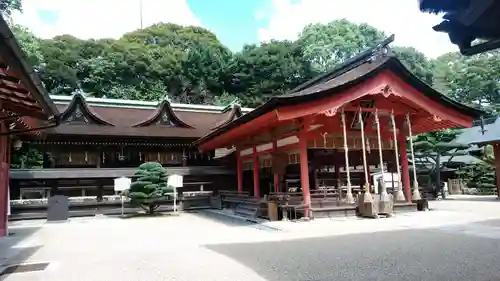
[(422, 204), (385, 205), (367, 208)]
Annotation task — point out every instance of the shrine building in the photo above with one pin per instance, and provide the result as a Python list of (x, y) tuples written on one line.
[(336, 128)]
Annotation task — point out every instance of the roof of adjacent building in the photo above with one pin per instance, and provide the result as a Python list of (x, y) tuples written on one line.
[(353, 72), (112, 117), (465, 21), (487, 132)]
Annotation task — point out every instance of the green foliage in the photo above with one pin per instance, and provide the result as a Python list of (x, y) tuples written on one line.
[(29, 43), (481, 176), (193, 66), (27, 157), (428, 147), (326, 45), (260, 72), (150, 188), (8, 6)]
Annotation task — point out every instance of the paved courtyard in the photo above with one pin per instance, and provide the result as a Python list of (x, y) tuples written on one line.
[(458, 240)]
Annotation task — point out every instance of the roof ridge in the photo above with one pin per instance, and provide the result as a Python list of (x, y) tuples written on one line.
[(93, 101), (349, 64)]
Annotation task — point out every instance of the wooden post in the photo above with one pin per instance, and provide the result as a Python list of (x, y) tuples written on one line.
[(304, 173), (239, 167), (256, 178), (184, 158), (405, 171), (496, 150), (276, 175)]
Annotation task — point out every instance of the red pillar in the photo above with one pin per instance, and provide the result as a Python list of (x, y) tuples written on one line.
[(256, 179), (405, 171), (304, 173), (4, 181), (496, 149), (239, 168)]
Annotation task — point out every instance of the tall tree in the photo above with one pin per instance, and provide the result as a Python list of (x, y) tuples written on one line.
[(416, 62), (29, 43), (471, 80), (326, 45), (260, 72)]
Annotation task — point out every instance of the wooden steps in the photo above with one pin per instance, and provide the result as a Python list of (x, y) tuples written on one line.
[(248, 208)]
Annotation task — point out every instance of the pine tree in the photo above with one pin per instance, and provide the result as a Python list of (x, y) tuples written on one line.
[(150, 189)]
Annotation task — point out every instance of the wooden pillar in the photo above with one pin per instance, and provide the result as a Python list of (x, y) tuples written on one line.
[(239, 171), (304, 173), (184, 158), (256, 178), (337, 174), (496, 149), (405, 171)]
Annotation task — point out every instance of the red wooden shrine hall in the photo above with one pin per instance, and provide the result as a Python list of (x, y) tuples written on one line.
[(372, 87), (25, 107)]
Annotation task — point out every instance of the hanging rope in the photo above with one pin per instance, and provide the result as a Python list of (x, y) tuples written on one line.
[(377, 121), (349, 197), (365, 165), (399, 195), (416, 193)]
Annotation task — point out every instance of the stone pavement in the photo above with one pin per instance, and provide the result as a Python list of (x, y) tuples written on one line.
[(175, 247)]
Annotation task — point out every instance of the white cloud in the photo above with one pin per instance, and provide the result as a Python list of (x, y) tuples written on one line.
[(401, 17), (100, 18)]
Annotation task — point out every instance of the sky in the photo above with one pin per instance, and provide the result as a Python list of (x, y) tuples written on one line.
[(235, 22)]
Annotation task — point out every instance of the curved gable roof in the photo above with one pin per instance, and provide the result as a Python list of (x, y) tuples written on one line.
[(233, 111), (79, 105), (164, 115)]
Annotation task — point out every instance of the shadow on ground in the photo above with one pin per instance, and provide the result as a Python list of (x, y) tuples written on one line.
[(478, 198), (9, 253), (396, 255), (232, 221)]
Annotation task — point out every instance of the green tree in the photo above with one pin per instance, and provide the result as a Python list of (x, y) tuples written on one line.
[(416, 62), (29, 43), (327, 45), (26, 157), (8, 6), (471, 80), (150, 189), (429, 150), (260, 72), (482, 175)]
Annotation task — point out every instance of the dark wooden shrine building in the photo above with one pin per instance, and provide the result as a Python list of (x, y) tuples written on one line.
[(101, 139), (359, 114), (473, 25), (25, 108)]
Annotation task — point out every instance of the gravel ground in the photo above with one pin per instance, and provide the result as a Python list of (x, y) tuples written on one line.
[(458, 241), (439, 254)]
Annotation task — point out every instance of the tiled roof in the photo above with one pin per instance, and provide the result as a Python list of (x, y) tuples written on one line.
[(477, 135), (103, 117)]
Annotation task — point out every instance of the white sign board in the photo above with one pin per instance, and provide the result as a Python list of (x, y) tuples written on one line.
[(175, 181), (122, 184)]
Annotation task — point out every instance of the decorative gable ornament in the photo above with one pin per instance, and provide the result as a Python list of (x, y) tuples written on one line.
[(78, 112)]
